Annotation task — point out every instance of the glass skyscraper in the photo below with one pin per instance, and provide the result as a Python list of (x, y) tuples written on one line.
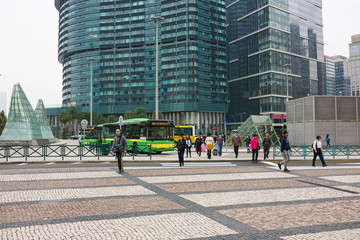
[(354, 62), (342, 75), (272, 42), (330, 76), (119, 35)]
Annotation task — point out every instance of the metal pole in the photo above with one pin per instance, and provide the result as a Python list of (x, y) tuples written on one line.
[(287, 86), (157, 72), (91, 92), (91, 89)]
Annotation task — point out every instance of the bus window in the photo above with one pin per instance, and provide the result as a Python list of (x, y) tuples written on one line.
[(132, 132), (109, 131), (142, 132), (159, 133)]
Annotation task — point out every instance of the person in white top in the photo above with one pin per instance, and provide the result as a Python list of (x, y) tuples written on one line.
[(209, 143), (317, 149)]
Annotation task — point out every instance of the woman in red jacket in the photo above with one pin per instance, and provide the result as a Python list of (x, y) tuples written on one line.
[(254, 145)]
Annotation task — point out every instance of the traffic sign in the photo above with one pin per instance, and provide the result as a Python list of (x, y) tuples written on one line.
[(225, 122), (84, 124)]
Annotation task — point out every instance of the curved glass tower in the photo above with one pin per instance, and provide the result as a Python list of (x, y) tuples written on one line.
[(192, 57)]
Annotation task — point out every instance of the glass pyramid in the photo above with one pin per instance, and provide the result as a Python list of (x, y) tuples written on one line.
[(43, 121), (22, 124), (258, 125)]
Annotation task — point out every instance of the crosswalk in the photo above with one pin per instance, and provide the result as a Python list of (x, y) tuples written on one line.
[(200, 164)]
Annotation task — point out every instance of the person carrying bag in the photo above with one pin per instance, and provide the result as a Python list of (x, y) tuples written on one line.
[(209, 142)]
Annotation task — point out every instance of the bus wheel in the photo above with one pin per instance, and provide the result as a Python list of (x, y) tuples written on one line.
[(135, 148)]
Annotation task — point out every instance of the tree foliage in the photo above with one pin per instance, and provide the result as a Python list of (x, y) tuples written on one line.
[(161, 115), (3, 121), (140, 112), (129, 115), (111, 119)]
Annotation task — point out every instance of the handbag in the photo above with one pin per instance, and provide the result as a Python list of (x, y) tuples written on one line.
[(258, 147), (209, 147), (203, 148)]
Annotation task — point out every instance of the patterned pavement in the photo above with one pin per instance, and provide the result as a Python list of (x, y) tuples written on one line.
[(162, 201)]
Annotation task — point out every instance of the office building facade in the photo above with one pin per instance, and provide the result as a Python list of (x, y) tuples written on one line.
[(330, 76), (273, 44), (342, 76), (354, 62), (119, 35)]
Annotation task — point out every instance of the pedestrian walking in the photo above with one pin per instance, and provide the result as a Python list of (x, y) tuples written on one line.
[(204, 138), (220, 142), (255, 146), (327, 140), (248, 141), (180, 146), (188, 145), (285, 148), (266, 145), (198, 143), (236, 142), (317, 150), (119, 147), (209, 142)]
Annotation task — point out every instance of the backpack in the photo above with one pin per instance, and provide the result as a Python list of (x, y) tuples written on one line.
[(312, 146)]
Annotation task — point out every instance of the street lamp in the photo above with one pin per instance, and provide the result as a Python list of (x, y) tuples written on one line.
[(157, 19), (91, 88), (287, 81)]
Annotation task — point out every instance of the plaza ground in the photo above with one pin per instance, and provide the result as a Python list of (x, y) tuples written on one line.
[(203, 200)]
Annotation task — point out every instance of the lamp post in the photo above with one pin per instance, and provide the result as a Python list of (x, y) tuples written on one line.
[(287, 81), (91, 88), (157, 19)]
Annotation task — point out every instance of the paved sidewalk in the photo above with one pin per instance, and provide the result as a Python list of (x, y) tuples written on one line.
[(199, 201)]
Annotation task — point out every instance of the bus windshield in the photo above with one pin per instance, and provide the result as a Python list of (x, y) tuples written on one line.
[(160, 133), (180, 131)]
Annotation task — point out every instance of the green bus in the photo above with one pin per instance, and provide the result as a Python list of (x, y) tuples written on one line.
[(140, 133)]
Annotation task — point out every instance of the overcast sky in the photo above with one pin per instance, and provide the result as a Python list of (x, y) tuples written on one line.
[(28, 44)]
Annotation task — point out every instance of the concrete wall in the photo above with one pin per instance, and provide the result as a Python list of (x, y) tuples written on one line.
[(321, 115)]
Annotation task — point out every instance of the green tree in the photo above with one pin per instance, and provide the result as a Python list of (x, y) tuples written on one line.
[(140, 112), (111, 119), (129, 115), (3, 121), (161, 115), (97, 118)]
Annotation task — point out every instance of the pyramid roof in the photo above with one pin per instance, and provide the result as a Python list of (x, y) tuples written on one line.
[(22, 124), (43, 121)]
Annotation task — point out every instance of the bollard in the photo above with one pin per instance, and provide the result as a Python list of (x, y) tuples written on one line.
[(62, 151), (7, 153), (80, 151), (26, 152)]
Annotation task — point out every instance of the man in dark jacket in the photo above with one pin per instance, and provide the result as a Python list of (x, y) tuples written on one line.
[(181, 145), (285, 148), (266, 145), (198, 143), (236, 142), (119, 147)]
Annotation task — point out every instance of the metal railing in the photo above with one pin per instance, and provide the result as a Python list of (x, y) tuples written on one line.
[(333, 151), (66, 151)]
